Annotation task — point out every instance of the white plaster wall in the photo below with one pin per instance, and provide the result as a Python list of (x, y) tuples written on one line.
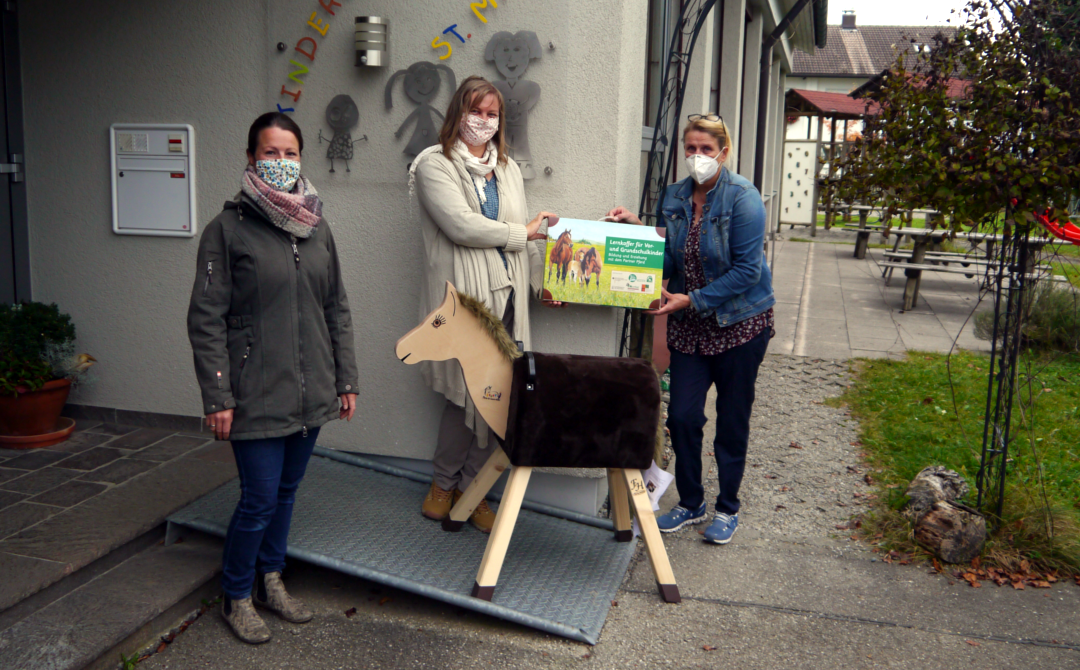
[(215, 65)]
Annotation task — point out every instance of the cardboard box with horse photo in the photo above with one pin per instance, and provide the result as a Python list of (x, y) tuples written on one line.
[(604, 263)]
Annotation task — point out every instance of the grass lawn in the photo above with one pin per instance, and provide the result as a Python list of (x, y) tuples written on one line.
[(910, 420)]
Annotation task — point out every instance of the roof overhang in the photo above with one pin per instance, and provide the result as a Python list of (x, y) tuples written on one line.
[(808, 30)]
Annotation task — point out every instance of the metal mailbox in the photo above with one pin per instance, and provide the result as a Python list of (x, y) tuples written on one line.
[(153, 179)]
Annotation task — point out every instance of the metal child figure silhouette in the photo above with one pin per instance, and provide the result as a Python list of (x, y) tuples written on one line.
[(421, 83), (512, 53), (341, 115)]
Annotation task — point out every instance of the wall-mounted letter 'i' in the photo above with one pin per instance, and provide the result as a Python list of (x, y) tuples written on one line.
[(295, 96), (314, 48), (318, 25), (440, 42), (477, 6), (330, 8)]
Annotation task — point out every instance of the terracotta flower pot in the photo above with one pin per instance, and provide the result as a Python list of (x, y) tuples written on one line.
[(35, 413)]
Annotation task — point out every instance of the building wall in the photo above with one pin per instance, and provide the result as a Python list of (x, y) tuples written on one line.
[(215, 65)]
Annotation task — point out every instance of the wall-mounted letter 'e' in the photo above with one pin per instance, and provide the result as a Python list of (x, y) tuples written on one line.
[(302, 71), (330, 7), (477, 6), (314, 48), (440, 42), (318, 25)]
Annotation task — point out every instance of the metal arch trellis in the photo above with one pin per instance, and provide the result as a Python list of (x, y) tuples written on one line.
[(692, 15)]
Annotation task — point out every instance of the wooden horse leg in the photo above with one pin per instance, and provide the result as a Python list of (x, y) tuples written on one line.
[(476, 491), (505, 518), (654, 543), (619, 502)]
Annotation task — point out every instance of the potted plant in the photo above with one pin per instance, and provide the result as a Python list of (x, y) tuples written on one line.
[(38, 366)]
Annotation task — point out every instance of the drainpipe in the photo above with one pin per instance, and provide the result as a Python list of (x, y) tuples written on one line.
[(763, 91)]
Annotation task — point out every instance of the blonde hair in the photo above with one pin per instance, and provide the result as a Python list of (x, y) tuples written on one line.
[(472, 90), (717, 129)]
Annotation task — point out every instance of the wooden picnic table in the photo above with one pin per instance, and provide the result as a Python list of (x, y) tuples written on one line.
[(922, 238)]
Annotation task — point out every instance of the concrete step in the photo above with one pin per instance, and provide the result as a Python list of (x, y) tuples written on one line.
[(121, 609)]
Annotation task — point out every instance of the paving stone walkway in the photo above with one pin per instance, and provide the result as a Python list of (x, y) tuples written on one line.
[(64, 506)]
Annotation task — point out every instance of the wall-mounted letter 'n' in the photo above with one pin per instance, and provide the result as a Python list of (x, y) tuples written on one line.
[(318, 25), (330, 7), (295, 96), (477, 6), (440, 42), (314, 48), (302, 71)]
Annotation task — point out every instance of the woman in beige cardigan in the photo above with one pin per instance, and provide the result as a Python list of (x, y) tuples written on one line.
[(477, 234)]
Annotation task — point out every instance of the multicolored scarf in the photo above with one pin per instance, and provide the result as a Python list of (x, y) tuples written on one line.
[(297, 212)]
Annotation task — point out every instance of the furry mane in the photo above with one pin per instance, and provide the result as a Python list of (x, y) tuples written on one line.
[(492, 324)]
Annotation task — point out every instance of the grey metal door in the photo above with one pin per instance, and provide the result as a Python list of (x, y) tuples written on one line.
[(14, 233)]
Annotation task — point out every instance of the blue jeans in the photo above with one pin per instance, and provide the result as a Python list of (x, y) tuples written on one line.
[(734, 372), (270, 472)]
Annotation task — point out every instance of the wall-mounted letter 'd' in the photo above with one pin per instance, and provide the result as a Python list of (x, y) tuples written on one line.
[(341, 115), (421, 83), (440, 42), (314, 48), (477, 6), (512, 54)]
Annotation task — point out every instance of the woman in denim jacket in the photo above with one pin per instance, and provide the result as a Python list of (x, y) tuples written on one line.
[(719, 297)]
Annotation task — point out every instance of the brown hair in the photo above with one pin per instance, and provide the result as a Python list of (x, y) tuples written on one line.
[(717, 129), (473, 89)]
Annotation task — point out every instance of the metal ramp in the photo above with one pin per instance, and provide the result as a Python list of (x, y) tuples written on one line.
[(361, 518)]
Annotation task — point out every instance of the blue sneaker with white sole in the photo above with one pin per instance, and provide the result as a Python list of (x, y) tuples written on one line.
[(722, 528), (678, 517)]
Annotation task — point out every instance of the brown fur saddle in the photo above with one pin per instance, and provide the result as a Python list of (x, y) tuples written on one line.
[(582, 412)]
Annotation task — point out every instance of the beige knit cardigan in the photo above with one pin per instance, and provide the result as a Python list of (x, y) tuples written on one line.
[(460, 246)]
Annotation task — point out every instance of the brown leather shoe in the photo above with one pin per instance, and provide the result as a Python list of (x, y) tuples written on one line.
[(482, 517), (438, 502)]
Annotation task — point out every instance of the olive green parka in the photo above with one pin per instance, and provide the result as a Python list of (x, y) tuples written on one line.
[(269, 324)]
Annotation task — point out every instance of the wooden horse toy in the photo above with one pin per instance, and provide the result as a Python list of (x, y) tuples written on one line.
[(547, 411)]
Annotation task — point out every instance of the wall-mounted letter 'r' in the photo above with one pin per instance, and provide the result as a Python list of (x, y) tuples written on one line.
[(330, 8), (314, 48), (477, 6), (302, 71), (295, 96), (440, 42), (318, 25)]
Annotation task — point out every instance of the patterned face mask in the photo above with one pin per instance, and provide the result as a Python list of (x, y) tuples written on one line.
[(281, 174), (477, 130)]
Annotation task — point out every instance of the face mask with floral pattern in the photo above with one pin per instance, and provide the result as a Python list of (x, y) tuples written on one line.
[(280, 173)]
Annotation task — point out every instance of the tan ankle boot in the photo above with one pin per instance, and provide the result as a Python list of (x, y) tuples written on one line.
[(482, 517), (438, 502), (245, 621), (270, 594)]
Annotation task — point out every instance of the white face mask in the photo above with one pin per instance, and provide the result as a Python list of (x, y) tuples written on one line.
[(476, 130), (702, 168)]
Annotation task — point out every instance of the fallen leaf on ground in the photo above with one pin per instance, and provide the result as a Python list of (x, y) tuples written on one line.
[(928, 401), (770, 476), (350, 612), (784, 488), (1019, 586), (780, 507), (708, 647), (795, 445), (972, 643), (384, 600), (815, 442), (1041, 584), (868, 479), (614, 603), (853, 469)]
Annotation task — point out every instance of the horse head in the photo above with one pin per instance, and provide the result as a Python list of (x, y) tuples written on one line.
[(565, 238), (436, 336)]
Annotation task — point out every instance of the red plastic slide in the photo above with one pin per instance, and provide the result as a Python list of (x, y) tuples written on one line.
[(1066, 231)]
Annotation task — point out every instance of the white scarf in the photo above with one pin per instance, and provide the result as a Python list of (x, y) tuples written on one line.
[(479, 168)]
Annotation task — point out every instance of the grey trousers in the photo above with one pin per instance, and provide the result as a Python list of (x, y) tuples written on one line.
[(458, 453)]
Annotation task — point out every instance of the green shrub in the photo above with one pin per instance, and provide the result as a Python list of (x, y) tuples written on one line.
[(32, 336), (1052, 319)]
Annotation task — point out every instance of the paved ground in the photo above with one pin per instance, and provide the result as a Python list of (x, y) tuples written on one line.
[(790, 591), (830, 305), (65, 506)]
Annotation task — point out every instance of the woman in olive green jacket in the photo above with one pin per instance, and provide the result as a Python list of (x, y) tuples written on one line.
[(271, 331)]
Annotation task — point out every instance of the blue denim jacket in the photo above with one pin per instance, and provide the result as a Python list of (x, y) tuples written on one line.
[(739, 284)]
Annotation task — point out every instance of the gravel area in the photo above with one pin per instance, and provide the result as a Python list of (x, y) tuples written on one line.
[(803, 474)]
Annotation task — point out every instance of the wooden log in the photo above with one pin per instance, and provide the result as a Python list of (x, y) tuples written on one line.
[(932, 485), (953, 532)]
